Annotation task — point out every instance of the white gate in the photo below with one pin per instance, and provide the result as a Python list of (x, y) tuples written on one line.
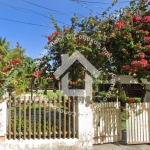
[(138, 123), (107, 123)]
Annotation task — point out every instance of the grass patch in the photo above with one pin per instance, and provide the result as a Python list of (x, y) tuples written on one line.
[(123, 120)]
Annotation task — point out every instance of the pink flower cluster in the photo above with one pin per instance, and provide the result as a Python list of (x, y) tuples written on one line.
[(147, 38), (146, 19), (37, 74), (141, 55), (140, 63), (143, 31), (136, 18), (126, 67), (148, 46), (137, 63), (51, 37), (119, 24)]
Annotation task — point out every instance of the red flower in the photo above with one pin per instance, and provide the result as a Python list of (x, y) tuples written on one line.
[(57, 33), (18, 61), (37, 73), (131, 100), (95, 21), (136, 18), (142, 63), (91, 102), (143, 31), (127, 67), (50, 38), (148, 46), (12, 62), (147, 38), (127, 53), (119, 24), (145, 62), (7, 68), (132, 70), (146, 19), (142, 55), (105, 53), (136, 63)]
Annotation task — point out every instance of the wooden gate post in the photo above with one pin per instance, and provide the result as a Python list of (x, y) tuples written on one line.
[(3, 122), (85, 124)]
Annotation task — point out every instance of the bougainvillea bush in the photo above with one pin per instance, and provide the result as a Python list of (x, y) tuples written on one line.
[(126, 38), (14, 67), (124, 33)]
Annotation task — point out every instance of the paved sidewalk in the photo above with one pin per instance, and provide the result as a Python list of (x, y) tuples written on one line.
[(121, 146), (110, 146)]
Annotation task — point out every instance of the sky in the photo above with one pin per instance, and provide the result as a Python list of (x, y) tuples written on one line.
[(33, 37)]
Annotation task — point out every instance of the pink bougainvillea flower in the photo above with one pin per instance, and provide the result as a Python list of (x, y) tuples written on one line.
[(148, 46), (147, 38), (145, 62), (127, 67), (50, 38), (132, 70), (142, 55), (136, 18), (57, 33), (37, 73), (119, 24), (146, 19), (18, 61), (7, 68), (140, 63), (12, 62), (143, 31), (105, 53), (137, 63)]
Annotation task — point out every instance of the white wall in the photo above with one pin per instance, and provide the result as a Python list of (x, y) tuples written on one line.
[(84, 128)]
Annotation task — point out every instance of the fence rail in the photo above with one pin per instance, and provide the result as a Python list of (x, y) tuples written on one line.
[(40, 118)]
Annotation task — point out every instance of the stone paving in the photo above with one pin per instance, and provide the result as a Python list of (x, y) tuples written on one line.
[(121, 146)]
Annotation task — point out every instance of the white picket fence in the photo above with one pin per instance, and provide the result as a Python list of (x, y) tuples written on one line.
[(138, 123), (107, 123)]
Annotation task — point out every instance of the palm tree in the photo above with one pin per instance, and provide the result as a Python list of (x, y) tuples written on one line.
[(4, 46)]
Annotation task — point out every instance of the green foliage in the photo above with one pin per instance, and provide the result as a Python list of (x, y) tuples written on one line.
[(123, 120), (103, 93), (137, 99)]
